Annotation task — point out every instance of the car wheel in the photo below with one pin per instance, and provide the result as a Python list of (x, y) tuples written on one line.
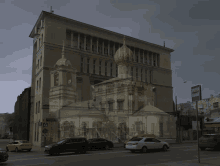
[(7, 149), (29, 150), (132, 151), (144, 150), (106, 147), (165, 148), (16, 149), (202, 148)]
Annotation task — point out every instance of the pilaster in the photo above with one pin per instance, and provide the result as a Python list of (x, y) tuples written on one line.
[(90, 43), (78, 40), (71, 39), (84, 42)]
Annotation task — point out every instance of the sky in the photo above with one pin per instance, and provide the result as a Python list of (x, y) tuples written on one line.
[(191, 28)]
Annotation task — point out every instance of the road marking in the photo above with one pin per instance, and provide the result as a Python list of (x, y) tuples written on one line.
[(65, 156)]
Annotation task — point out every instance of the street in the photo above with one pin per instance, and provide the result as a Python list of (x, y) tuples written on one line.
[(114, 157)]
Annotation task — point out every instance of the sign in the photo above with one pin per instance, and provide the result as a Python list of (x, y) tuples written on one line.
[(196, 93), (45, 124), (194, 125), (44, 131)]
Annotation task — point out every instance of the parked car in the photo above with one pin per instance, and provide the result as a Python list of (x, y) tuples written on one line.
[(143, 144), (100, 143), (3, 155), (19, 145), (209, 141), (77, 145), (140, 135), (5, 137)]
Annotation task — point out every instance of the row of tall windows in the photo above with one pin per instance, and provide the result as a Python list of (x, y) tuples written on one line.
[(100, 66), (140, 73), (153, 59)]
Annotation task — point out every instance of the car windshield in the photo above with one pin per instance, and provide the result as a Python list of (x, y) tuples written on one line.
[(136, 139), (62, 141)]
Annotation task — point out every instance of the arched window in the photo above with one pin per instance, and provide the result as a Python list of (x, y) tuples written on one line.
[(56, 79), (69, 78)]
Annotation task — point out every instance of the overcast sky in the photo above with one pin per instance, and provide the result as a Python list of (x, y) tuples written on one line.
[(189, 27)]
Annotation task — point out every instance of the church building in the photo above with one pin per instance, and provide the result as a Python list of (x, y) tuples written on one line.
[(110, 86)]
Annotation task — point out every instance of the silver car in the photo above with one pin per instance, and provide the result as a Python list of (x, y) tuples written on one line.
[(143, 144)]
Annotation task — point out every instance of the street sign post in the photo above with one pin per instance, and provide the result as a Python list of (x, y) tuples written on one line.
[(196, 96)]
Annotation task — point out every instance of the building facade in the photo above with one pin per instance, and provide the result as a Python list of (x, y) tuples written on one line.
[(90, 50), (4, 129), (208, 107), (21, 126)]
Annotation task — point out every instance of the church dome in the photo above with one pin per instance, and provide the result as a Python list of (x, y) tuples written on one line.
[(63, 61), (123, 54)]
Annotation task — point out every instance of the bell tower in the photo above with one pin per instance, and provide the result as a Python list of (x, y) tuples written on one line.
[(63, 85)]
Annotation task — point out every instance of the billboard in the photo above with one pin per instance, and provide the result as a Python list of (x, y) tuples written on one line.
[(196, 93)]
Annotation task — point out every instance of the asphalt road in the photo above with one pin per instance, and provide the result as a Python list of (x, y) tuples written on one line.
[(114, 157)]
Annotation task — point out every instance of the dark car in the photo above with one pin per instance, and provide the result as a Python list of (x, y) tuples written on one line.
[(5, 137), (209, 141), (3, 155), (77, 145), (100, 143)]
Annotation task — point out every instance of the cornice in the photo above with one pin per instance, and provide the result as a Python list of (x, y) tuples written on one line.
[(103, 32)]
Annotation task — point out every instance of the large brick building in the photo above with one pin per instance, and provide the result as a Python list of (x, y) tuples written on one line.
[(89, 57)]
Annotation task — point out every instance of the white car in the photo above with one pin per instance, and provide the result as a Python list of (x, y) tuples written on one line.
[(18, 145), (145, 143)]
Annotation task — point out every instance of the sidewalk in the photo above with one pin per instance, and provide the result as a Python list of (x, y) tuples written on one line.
[(214, 161)]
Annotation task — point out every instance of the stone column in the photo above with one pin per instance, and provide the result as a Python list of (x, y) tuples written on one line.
[(84, 42), (143, 58), (78, 40), (126, 100), (113, 49), (108, 48), (103, 46), (71, 39), (135, 99), (143, 75), (152, 59), (97, 42), (90, 43), (148, 58), (134, 55), (139, 56), (156, 59)]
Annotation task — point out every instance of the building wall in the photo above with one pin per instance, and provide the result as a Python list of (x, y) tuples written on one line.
[(205, 105), (21, 127)]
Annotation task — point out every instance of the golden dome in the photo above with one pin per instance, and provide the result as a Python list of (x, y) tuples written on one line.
[(123, 54)]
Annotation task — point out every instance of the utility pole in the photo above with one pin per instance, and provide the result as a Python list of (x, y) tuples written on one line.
[(197, 130)]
